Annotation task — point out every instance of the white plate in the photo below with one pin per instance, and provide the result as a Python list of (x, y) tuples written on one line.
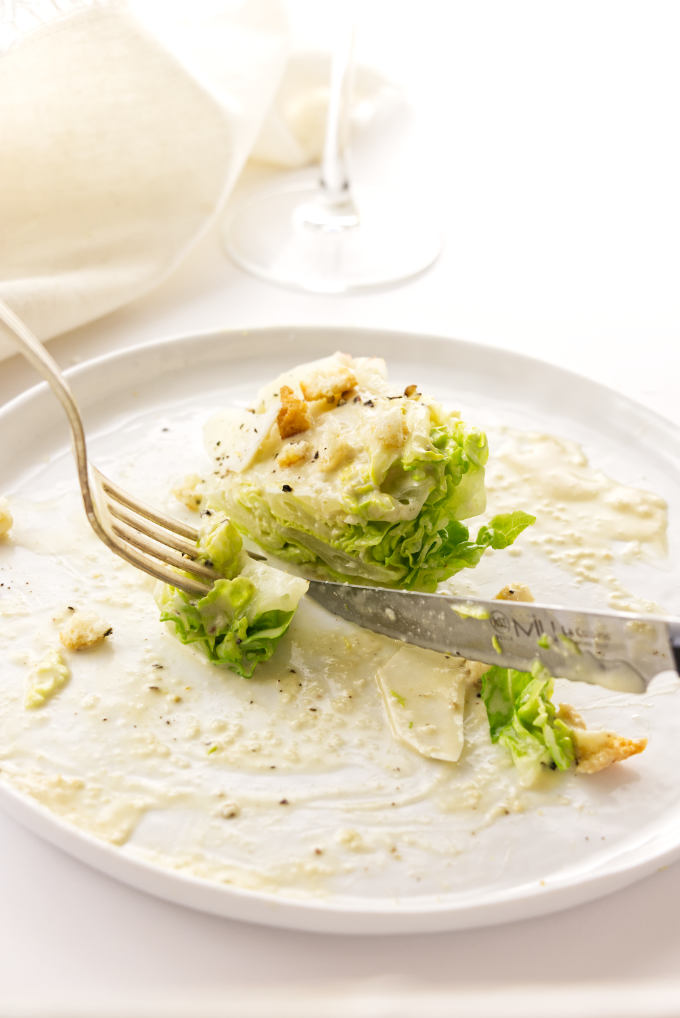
[(591, 837)]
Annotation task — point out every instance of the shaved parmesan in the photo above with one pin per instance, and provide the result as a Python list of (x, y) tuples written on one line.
[(234, 437), (424, 693)]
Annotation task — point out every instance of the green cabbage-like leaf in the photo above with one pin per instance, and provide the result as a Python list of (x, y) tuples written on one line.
[(399, 527), (240, 621), (522, 718)]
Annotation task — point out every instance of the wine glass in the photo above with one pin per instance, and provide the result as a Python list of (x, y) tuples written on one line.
[(314, 236)]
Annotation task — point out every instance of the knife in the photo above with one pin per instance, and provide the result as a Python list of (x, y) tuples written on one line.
[(618, 650)]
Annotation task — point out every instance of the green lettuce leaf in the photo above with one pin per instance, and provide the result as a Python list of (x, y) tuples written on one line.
[(240, 621), (400, 526), (522, 717)]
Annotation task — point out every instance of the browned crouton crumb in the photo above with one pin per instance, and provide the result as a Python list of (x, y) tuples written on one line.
[(82, 630), (294, 416), (597, 750), (517, 592)]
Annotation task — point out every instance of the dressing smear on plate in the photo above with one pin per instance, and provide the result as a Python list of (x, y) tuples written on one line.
[(328, 774)]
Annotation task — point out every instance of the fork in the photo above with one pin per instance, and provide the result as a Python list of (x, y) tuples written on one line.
[(164, 547)]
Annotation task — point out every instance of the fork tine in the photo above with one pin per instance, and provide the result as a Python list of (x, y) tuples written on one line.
[(164, 536), (147, 511), (163, 547), (156, 549), (156, 568)]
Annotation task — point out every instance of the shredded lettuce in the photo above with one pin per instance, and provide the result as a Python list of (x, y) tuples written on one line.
[(240, 621), (522, 717)]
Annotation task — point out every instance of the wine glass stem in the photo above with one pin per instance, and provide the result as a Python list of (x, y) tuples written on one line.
[(334, 173)]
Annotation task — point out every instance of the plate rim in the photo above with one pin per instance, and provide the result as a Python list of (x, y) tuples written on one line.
[(321, 915), (211, 334), (317, 915)]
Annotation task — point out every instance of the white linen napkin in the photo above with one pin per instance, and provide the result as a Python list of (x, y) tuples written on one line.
[(123, 127)]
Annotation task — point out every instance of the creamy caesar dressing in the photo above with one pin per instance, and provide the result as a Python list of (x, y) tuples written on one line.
[(321, 455), (293, 782), (586, 522)]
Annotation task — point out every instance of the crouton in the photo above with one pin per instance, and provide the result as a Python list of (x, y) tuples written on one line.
[(597, 750), (294, 416), (82, 630), (517, 592)]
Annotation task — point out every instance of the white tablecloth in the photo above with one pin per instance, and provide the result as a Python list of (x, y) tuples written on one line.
[(554, 168)]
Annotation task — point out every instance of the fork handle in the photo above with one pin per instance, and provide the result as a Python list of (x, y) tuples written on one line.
[(34, 352)]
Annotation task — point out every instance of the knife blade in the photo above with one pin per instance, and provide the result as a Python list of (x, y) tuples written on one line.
[(618, 650)]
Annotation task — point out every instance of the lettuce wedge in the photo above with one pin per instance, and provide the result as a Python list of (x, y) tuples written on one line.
[(335, 471), (240, 621)]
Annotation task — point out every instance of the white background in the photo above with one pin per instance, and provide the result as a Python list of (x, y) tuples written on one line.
[(550, 157)]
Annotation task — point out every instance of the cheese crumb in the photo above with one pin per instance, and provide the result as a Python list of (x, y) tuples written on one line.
[(351, 839), (392, 430), (329, 381), (6, 518), (337, 454), (228, 810), (82, 630), (294, 452), (570, 716), (189, 492)]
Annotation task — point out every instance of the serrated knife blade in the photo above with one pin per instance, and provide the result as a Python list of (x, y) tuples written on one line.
[(618, 650)]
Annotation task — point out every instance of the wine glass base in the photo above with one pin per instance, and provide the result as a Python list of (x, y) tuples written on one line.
[(295, 237)]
